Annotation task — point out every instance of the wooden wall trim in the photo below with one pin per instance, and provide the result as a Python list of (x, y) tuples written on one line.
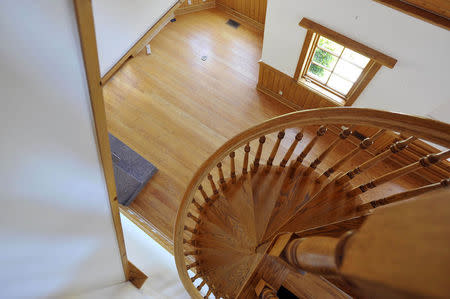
[(185, 9), (294, 94), (414, 11), (348, 42), (142, 42), (85, 20), (242, 18)]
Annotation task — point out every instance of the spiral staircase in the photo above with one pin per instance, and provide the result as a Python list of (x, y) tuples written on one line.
[(289, 194)]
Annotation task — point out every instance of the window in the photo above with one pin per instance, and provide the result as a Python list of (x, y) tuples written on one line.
[(336, 66)]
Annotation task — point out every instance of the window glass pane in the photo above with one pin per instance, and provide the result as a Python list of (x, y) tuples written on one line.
[(339, 84), (331, 46), (347, 70), (324, 58), (318, 73), (355, 58)]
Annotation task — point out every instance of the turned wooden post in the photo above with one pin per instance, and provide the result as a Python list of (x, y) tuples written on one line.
[(197, 205), (268, 293), (200, 286), (274, 150), (423, 162), (223, 184), (245, 163), (204, 195), (192, 252), (193, 265), (207, 294), (291, 149), (195, 277), (213, 185), (193, 217), (262, 139), (393, 149), (232, 168), (320, 132), (318, 255), (190, 229)]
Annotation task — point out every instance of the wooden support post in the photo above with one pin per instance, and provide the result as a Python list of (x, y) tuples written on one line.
[(262, 139), (291, 149), (213, 185), (204, 195), (274, 150), (245, 163), (232, 168), (223, 184)]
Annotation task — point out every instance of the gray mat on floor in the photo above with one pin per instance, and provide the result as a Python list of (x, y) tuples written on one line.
[(131, 171)]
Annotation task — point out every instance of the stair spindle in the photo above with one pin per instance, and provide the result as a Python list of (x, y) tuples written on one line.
[(403, 195), (291, 149), (195, 277), (190, 242), (275, 148), (193, 217), (346, 132), (200, 286), (393, 149), (223, 184), (197, 205), (423, 162), (232, 168), (364, 145), (268, 293), (213, 185), (245, 164), (262, 139), (207, 294), (320, 132), (193, 265), (189, 229), (204, 195)]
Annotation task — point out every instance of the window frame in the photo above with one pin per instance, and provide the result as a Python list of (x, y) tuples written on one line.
[(314, 31)]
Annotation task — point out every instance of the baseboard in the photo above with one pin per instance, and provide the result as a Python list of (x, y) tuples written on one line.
[(194, 8), (241, 17), (148, 228), (142, 42)]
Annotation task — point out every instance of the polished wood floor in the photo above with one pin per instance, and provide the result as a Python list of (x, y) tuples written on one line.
[(176, 109)]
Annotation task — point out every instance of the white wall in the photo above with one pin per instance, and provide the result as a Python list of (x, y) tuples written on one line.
[(119, 24), (56, 231), (418, 84)]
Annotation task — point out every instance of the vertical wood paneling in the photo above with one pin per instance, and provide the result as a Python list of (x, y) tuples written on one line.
[(195, 5), (250, 11), (272, 81)]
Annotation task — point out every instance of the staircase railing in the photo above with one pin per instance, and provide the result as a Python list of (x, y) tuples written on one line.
[(243, 156)]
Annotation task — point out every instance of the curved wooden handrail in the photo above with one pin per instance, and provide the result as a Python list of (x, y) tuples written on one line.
[(428, 129)]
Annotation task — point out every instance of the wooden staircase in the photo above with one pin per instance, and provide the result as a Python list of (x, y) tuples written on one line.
[(301, 175)]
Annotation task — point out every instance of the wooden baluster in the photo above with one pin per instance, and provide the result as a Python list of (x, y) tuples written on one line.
[(192, 252), (189, 229), (262, 139), (197, 205), (395, 148), (213, 185), (245, 164), (195, 277), (223, 184), (403, 195), (320, 132), (232, 168), (424, 162), (268, 293), (193, 217), (200, 286), (190, 242), (291, 149), (204, 195), (208, 294), (193, 265), (364, 145), (274, 150), (342, 136)]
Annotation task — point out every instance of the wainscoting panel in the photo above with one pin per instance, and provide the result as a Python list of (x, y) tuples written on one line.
[(252, 12), (285, 89)]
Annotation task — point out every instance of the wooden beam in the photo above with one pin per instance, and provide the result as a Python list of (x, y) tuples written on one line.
[(85, 20), (349, 43), (142, 42), (442, 21)]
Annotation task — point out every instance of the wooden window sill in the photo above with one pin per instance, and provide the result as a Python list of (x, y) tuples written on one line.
[(322, 92)]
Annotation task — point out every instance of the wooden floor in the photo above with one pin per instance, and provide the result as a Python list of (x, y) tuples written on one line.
[(175, 109)]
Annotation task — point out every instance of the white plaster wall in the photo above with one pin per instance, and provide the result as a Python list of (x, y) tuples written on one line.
[(418, 84), (119, 24), (56, 231)]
